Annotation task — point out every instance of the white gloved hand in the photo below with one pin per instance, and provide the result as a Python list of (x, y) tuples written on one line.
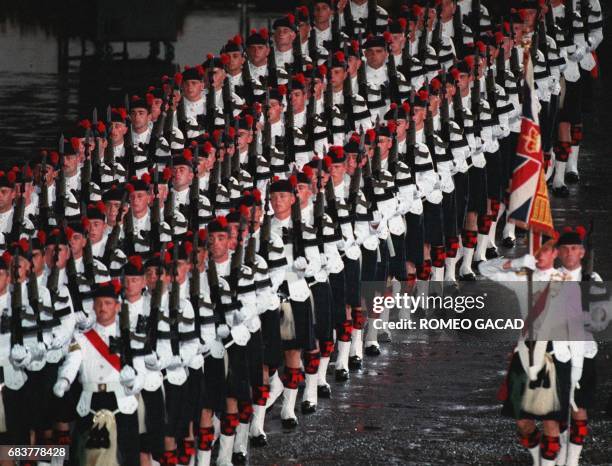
[(38, 351), (217, 350), (578, 55), (478, 158), (83, 321), (241, 334), (310, 271), (533, 373), (323, 260), (60, 387), (152, 362), (527, 261), (573, 404), (435, 196), (20, 356), (204, 348), (175, 362), (575, 376), (382, 230), (60, 339), (127, 376), (223, 331), (300, 263)]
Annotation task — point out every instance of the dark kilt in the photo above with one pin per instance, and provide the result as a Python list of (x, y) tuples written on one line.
[(270, 332), (397, 263), (238, 373), (414, 238), (255, 350), (338, 296), (477, 190), (322, 300), (516, 382), (352, 281), (213, 387), (585, 395), (432, 213), (178, 409), (305, 338), (152, 440)]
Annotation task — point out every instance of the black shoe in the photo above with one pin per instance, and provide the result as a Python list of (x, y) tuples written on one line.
[(354, 363), (491, 253), (508, 242), (470, 277), (372, 350), (384, 337), (308, 407), (475, 265), (239, 458), (323, 391), (290, 423), (342, 375), (572, 177), (561, 191), (259, 441)]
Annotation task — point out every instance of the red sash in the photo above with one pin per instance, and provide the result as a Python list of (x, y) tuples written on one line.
[(103, 349)]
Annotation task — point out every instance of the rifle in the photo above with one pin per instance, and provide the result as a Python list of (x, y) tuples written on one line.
[(237, 258), (33, 296), (296, 233), (475, 18), (266, 137), (311, 112), (289, 124), (476, 95), (215, 290), (194, 192), (122, 344), (170, 204), (392, 162), (515, 66), (585, 13), (43, 208), (328, 103), (356, 177), (95, 157), (335, 27), (362, 82), (458, 32), (394, 93), (264, 235), (155, 214), (18, 216), (60, 196), (156, 297), (424, 39), (372, 17), (85, 174), (589, 260), (174, 304), (113, 239), (436, 38), (347, 95), (491, 93), (376, 163), (109, 155), (17, 307), (73, 284), (249, 255), (53, 279), (194, 282), (252, 155), (235, 160), (272, 70), (298, 59)]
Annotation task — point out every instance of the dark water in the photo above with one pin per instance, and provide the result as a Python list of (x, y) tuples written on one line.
[(421, 402)]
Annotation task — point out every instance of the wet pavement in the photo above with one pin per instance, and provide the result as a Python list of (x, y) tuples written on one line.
[(421, 402)]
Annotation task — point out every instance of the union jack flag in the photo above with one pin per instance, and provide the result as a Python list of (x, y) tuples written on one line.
[(529, 203)]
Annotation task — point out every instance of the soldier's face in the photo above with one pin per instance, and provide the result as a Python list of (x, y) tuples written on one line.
[(384, 143), (192, 89), (202, 257), (62, 257), (233, 235), (140, 118), (112, 208), (77, 244), (337, 171), (519, 28), (571, 255), (106, 310), (162, 193), (244, 139), (464, 83), (182, 269), (322, 13), (139, 200), (531, 14), (304, 29), (304, 193), (134, 285), (351, 163), (419, 115), (23, 269), (281, 203), (151, 277), (4, 280), (337, 77), (182, 176), (448, 10), (258, 54), (398, 40), (218, 77), (7, 195), (38, 261), (353, 65), (96, 230), (283, 36), (219, 245), (274, 111), (117, 132), (546, 258), (402, 127), (236, 60), (376, 57), (450, 91), (298, 100), (434, 103), (71, 164)]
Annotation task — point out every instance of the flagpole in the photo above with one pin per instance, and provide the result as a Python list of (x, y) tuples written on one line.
[(530, 335)]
